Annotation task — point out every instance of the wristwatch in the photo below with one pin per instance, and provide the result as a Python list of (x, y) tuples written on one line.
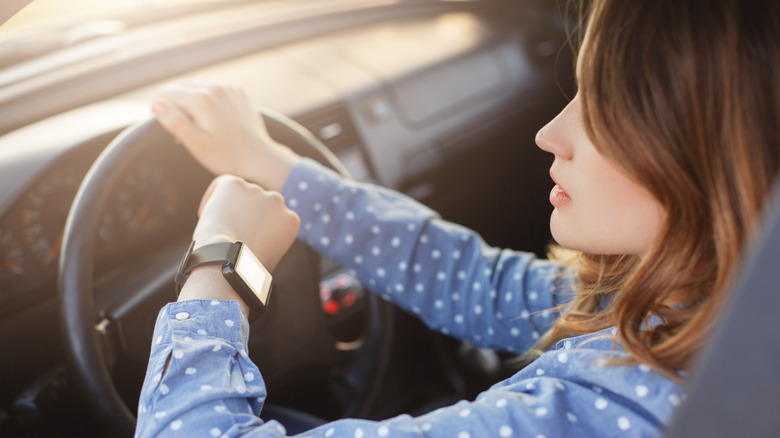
[(245, 274)]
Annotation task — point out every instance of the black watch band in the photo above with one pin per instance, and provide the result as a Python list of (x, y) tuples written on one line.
[(245, 274), (207, 255)]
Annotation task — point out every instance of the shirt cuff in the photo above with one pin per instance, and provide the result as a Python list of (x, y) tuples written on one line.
[(308, 182), (214, 318)]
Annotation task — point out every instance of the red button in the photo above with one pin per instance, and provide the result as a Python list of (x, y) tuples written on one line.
[(330, 307)]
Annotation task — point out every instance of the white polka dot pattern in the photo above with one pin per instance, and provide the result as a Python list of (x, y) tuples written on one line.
[(455, 283)]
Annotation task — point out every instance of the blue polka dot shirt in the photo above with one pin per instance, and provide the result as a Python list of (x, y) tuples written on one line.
[(455, 283)]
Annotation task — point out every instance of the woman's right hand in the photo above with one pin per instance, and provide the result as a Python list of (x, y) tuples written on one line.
[(220, 127)]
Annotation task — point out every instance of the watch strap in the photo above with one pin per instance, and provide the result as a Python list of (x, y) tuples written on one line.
[(227, 255), (213, 254), (207, 255)]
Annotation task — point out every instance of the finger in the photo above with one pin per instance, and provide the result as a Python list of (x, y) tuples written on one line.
[(192, 94), (188, 96), (226, 184), (177, 122)]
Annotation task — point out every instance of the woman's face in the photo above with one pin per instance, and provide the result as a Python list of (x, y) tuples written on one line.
[(598, 209)]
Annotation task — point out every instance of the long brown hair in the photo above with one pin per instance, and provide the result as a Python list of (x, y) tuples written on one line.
[(682, 96)]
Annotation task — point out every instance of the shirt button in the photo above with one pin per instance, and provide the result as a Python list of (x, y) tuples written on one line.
[(182, 316)]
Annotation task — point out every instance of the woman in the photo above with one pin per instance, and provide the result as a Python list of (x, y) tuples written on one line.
[(663, 162)]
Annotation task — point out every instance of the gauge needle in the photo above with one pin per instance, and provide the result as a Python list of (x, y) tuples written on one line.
[(55, 249), (141, 214), (16, 267)]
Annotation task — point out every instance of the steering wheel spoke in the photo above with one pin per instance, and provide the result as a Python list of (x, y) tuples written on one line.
[(128, 299)]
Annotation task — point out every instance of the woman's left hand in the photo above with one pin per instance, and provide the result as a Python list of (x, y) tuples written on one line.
[(234, 209)]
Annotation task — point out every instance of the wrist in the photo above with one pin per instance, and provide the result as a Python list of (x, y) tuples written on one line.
[(209, 236), (273, 170), (208, 283)]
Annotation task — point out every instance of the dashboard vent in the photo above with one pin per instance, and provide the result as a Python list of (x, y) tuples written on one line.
[(332, 125)]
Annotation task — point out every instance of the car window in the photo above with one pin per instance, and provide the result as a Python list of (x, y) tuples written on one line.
[(44, 26)]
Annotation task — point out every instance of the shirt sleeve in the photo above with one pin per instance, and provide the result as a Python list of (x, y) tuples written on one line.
[(199, 376), (441, 272), (200, 382)]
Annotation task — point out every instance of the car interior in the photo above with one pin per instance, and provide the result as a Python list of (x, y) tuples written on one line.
[(437, 99)]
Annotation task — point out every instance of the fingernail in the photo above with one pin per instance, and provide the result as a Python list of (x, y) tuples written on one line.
[(159, 107)]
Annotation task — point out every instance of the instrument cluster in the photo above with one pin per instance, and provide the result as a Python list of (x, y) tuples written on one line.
[(153, 204)]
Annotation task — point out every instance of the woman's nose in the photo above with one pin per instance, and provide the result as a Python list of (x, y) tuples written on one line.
[(558, 135)]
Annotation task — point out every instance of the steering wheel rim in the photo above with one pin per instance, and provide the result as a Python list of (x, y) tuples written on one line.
[(87, 359)]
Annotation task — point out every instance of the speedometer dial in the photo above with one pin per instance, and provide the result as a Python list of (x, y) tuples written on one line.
[(12, 265), (44, 211), (143, 203)]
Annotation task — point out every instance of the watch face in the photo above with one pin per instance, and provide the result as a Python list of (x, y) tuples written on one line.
[(254, 274)]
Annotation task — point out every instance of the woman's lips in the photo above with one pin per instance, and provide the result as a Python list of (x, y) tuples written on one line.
[(558, 197)]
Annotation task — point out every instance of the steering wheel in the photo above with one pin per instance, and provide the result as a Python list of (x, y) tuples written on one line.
[(293, 335)]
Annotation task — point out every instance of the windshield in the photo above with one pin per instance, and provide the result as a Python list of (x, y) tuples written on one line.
[(44, 26)]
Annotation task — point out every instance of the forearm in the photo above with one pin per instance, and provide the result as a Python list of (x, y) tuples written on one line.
[(442, 272)]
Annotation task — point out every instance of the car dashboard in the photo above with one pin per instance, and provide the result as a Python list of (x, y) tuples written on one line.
[(439, 102)]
